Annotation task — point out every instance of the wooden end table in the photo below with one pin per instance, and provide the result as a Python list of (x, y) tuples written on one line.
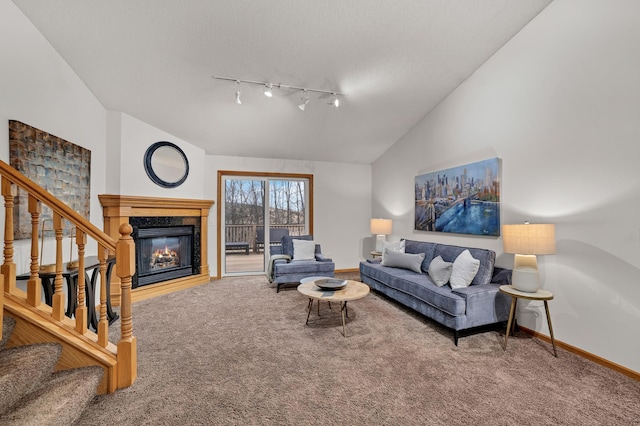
[(543, 295), (353, 291)]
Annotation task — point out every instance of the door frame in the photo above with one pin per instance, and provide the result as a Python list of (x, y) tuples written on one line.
[(222, 173)]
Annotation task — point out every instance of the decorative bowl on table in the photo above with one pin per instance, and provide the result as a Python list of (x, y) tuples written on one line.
[(331, 284)]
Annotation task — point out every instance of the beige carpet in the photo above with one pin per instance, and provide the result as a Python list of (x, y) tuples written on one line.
[(233, 352)]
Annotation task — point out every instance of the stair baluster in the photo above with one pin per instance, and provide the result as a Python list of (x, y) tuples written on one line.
[(58, 295), (8, 268), (81, 309), (103, 323), (34, 285)]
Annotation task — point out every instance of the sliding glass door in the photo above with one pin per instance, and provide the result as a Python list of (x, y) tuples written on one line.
[(256, 212)]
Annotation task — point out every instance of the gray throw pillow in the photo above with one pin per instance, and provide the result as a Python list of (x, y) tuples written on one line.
[(397, 246), (408, 261), (440, 271)]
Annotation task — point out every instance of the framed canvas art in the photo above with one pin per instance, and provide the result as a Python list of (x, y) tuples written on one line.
[(59, 166), (462, 200)]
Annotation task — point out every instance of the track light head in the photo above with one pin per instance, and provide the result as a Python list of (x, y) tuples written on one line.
[(268, 90), (305, 100), (335, 101), (237, 87)]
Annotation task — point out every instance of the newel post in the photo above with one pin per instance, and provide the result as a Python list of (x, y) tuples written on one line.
[(125, 268)]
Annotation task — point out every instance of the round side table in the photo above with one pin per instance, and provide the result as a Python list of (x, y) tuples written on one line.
[(543, 295)]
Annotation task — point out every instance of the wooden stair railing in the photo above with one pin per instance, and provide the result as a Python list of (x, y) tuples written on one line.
[(118, 361)]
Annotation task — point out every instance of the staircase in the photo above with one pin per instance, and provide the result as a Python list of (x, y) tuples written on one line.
[(31, 393), (51, 363)]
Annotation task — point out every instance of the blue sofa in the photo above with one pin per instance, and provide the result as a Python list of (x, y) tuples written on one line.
[(284, 270), (479, 304)]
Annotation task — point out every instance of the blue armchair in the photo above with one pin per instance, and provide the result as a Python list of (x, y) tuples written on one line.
[(284, 270)]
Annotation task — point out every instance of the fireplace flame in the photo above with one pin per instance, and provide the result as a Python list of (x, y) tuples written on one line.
[(164, 258)]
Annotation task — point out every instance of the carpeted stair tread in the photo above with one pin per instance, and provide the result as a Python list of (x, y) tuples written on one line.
[(23, 369), (7, 328), (59, 402)]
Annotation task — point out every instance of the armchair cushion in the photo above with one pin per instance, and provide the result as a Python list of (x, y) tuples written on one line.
[(287, 242), (304, 249)]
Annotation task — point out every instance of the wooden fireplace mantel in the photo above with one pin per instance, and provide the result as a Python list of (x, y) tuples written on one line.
[(117, 209)]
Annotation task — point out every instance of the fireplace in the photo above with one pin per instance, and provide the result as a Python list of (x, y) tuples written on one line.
[(154, 212), (166, 248)]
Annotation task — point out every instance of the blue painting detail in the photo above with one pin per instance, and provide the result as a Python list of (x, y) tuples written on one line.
[(462, 200)]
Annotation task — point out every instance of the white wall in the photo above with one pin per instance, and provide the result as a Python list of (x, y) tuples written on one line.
[(38, 88), (560, 105), (128, 176), (342, 194)]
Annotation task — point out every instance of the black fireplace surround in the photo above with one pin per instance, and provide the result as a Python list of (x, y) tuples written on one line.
[(166, 248)]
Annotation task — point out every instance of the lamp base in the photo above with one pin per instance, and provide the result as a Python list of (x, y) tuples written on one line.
[(380, 240), (525, 273)]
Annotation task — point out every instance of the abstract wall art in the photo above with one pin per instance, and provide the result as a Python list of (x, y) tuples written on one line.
[(59, 166)]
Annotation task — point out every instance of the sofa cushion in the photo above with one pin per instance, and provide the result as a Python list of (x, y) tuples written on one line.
[(440, 271), (487, 259), (394, 259), (304, 249), (427, 248), (419, 286), (464, 270)]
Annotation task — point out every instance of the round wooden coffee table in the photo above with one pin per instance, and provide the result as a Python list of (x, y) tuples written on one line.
[(353, 291)]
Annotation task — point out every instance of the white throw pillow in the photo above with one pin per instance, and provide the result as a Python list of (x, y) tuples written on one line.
[(304, 250), (396, 246), (464, 269), (394, 259), (440, 271)]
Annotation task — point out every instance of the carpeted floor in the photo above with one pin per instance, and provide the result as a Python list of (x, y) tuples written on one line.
[(235, 352)]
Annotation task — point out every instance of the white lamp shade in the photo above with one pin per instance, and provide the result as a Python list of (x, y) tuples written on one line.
[(526, 241), (529, 238), (381, 226)]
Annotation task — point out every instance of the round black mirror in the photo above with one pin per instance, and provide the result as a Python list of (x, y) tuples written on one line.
[(166, 164)]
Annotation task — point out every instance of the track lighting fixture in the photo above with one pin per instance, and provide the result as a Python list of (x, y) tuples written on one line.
[(268, 91), (237, 87), (305, 100)]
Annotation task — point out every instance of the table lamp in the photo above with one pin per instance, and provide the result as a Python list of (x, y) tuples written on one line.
[(526, 241), (381, 228)]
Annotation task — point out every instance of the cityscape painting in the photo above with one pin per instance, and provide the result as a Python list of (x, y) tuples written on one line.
[(462, 200)]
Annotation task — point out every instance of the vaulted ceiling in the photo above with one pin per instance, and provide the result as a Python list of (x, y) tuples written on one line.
[(395, 61)]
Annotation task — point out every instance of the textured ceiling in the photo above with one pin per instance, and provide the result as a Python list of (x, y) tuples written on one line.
[(394, 60)]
